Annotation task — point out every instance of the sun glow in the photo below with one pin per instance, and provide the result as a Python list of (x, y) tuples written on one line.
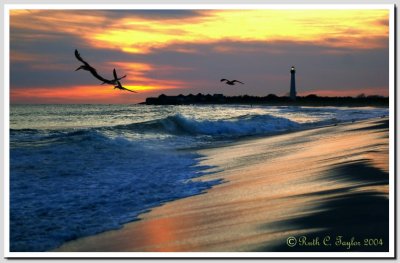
[(188, 52), (336, 28), (74, 94), (360, 29)]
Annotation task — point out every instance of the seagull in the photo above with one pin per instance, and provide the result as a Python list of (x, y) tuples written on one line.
[(231, 82), (118, 84), (92, 70)]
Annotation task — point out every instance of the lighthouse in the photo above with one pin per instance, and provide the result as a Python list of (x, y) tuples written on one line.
[(293, 83)]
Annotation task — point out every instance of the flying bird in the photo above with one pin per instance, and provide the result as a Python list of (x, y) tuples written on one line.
[(231, 82), (118, 84), (86, 66)]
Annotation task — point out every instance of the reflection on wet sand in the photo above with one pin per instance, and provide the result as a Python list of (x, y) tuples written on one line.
[(326, 181)]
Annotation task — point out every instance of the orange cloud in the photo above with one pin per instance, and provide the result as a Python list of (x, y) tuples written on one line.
[(74, 22), (357, 29), (360, 29), (37, 62), (136, 80), (335, 28), (137, 76), (79, 94), (84, 94), (23, 57)]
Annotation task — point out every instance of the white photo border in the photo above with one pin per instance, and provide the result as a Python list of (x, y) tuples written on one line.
[(392, 123)]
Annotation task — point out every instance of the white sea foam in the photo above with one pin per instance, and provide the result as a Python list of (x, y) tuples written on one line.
[(85, 183), (77, 170), (242, 126)]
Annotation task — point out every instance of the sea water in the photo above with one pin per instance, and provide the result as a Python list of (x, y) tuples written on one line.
[(78, 170)]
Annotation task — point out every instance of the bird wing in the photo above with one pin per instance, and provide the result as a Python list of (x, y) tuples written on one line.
[(116, 76), (224, 80), (91, 69), (237, 81), (94, 71), (78, 56), (130, 90), (97, 76), (121, 87)]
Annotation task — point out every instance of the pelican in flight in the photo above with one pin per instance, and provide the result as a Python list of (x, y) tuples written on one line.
[(91, 69), (86, 66), (231, 82), (118, 84)]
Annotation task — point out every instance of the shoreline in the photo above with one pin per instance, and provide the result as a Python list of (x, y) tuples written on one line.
[(206, 104), (273, 187), (273, 105), (246, 138)]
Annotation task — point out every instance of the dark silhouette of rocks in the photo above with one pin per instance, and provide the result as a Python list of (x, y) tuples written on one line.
[(271, 99)]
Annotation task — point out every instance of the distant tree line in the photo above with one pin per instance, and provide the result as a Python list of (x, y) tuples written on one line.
[(271, 99)]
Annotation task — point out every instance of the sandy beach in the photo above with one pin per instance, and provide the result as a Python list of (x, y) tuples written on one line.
[(330, 181)]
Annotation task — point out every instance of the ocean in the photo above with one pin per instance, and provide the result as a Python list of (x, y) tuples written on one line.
[(78, 170)]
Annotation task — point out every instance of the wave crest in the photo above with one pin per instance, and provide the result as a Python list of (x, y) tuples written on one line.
[(245, 125), (241, 126)]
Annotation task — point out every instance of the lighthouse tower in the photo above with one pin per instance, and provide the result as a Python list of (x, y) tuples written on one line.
[(293, 83)]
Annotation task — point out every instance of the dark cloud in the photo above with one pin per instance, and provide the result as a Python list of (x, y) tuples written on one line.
[(151, 14), (263, 66), (266, 70)]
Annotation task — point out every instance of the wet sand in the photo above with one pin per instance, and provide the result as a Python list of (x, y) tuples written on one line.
[(330, 181)]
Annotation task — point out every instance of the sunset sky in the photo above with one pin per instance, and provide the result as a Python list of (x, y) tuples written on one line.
[(336, 53)]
